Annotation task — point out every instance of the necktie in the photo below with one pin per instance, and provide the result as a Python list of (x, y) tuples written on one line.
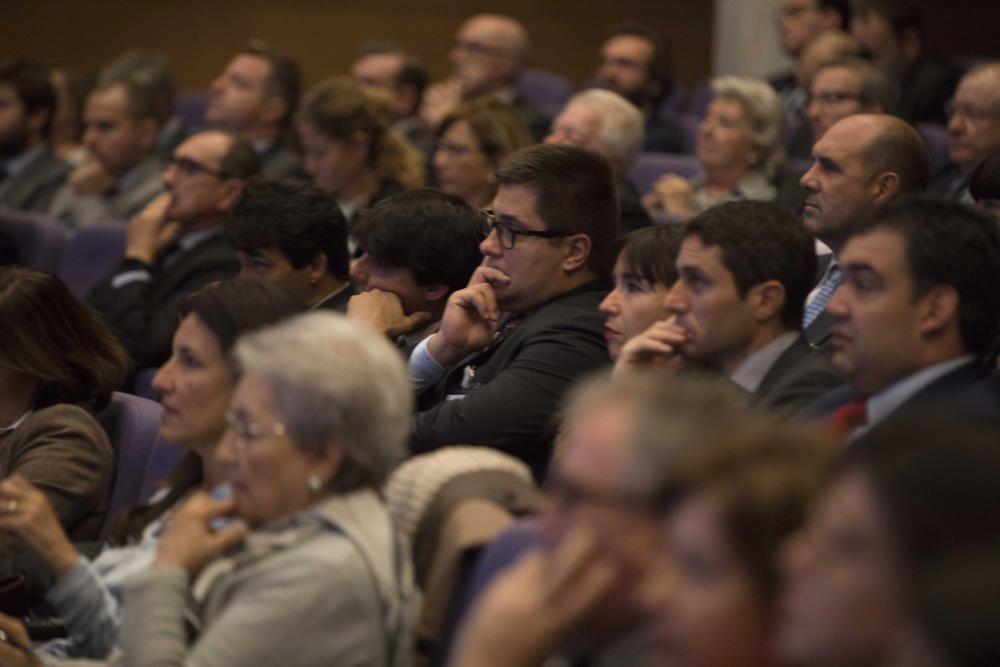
[(849, 417), (833, 279)]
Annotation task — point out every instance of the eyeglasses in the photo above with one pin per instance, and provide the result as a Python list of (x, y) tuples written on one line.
[(970, 112), (454, 150), (248, 431), (507, 234), (480, 49), (830, 98), (189, 167)]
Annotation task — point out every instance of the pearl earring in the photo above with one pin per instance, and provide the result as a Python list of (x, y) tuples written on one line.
[(315, 483)]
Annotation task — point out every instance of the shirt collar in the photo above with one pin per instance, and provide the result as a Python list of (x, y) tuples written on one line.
[(893, 396), (137, 173), (4, 430), (191, 239), (751, 372)]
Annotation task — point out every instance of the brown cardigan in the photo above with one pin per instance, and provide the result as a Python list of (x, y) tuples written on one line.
[(63, 451)]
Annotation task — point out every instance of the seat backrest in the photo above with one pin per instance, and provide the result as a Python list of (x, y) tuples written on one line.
[(38, 238), (547, 91), (190, 105), (89, 255), (133, 426), (163, 458), (936, 138), (650, 166)]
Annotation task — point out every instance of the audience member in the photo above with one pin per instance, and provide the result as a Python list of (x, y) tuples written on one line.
[(30, 173), (739, 148), (175, 245), (487, 58), (635, 63), (416, 248), (387, 66), (798, 23), (59, 364), (196, 385), (743, 272), (891, 33), (644, 273), (901, 501), (527, 325), (293, 236), (312, 552), (973, 129), (916, 314), (256, 97), (72, 87), (122, 173), (984, 185), (350, 148), (861, 161), (472, 142), (605, 122)]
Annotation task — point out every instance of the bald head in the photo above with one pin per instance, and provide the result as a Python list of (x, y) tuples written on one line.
[(489, 51), (898, 148), (974, 126)]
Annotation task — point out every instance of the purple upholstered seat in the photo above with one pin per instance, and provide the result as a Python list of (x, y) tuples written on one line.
[(547, 91), (190, 105), (39, 238), (91, 254), (936, 138), (650, 166)]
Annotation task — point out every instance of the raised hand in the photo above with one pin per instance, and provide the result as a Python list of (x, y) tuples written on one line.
[(383, 312), (470, 318), (190, 541), (26, 511), (150, 231), (659, 346)]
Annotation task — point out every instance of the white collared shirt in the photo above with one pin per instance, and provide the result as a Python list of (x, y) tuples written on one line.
[(750, 373)]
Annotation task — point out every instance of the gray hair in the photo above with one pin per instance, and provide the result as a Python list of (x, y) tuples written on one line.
[(332, 378), (623, 130), (767, 116)]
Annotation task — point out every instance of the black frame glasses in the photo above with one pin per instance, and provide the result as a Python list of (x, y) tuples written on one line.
[(507, 235), (190, 167)]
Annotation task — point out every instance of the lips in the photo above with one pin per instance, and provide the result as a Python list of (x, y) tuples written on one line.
[(611, 333)]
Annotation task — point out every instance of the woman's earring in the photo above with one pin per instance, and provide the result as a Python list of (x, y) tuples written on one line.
[(315, 483)]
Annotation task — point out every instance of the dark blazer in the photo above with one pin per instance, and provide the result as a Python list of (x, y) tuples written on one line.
[(34, 188), (145, 315), (631, 212), (338, 302), (519, 383), (281, 161), (950, 393), (798, 377), (663, 135)]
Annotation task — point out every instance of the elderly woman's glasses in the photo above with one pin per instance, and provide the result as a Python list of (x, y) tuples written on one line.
[(248, 431), (507, 234)]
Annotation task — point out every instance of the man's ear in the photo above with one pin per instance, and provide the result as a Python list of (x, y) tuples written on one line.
[(769, 300), (940, 309), (435, 292), (316, 268), (231, 189), (886, 186), (578, 249)]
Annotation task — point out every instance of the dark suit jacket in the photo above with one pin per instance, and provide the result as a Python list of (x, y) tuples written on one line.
[(34, 188), (663, 135), (949, 182), (631, 212), (281, 161), (145, 315), (949, 394), (798, 377), (519, 383)]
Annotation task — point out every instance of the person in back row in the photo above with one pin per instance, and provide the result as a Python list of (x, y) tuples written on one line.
[(527, 326)]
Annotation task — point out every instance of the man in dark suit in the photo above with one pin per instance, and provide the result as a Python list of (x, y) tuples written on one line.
[(176, 246), (860, 162), (30, 173), (293, 235), (916, 314), (416, 248), (799, 22), (513, 341), (743, 271), (973, 130), (605, 122), (256, 96)]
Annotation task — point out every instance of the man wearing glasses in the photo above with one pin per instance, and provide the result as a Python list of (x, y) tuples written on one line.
[(174, 246), (973, 129), (527, 325)]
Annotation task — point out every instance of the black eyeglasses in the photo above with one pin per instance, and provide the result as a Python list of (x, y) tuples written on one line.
[(189, 167), (507, 234), (830, 98)]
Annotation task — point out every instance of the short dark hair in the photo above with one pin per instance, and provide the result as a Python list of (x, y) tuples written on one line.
[(985, 180), (898, 148), (148, 82), (842, 7), (948, 244), (575, 192), (58, 340), (661, 64), (284, 79), (435, 235), (902, 15), (759, 242), (650, 252), (33, 88), (411, 73), (240, 160), (298, 218)]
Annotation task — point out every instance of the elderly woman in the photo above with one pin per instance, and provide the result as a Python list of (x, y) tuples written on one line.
[(350, 147), (739, 148), (472, 141), (59, 363), (196, 385)]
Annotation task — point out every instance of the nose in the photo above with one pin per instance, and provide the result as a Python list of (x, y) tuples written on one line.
[(837, 305), (609, 306), (812, 111), (217, 85), (89, 137), (955, 123), (794, 553), (808, 180), (163, 380), (675, 302), (440, 158), (490, 246), (359, 270), (225, 451)]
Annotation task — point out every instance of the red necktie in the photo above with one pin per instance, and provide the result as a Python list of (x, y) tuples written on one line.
[(849, 417)]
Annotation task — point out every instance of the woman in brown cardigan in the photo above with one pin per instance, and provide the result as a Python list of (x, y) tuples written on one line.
[(59, 363)]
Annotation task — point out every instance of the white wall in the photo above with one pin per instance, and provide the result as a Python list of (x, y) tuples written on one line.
[(744, 41)]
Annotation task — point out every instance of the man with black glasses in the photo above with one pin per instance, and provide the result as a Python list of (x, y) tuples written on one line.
[(527, 325), (175, 245)]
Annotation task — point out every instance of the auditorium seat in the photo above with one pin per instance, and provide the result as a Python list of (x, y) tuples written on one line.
[(650, 166), (936, 138), (39, 239), (190, 105), (163, 458), (545, 90), (91, 254)]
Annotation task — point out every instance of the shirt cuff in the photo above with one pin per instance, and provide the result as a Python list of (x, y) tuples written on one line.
[(425, 371)]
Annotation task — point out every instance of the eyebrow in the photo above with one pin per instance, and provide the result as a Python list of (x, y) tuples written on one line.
[(508, 220)]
